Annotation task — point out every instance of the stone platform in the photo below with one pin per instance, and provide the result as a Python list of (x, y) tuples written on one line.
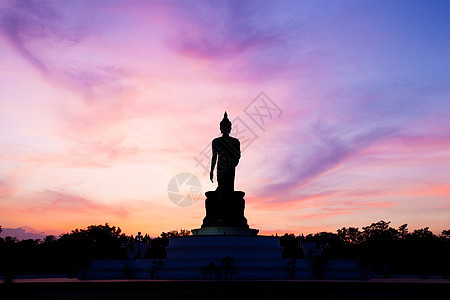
[(222, 257), (216, 256), (220, 246), (244, 268)]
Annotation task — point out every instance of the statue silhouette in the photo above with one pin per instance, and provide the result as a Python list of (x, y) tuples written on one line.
[(225, 206), (226, 150)]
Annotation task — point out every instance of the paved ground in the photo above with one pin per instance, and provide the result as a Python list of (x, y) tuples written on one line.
[(62, 288), (379, 280)]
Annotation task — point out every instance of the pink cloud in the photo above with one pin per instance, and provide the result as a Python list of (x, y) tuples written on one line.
[(10, 183), (80, 152), (59, 202), (7, 188), (427, 190)]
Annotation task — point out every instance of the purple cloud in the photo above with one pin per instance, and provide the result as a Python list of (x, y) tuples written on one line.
[(42, 32), (327, 152), (237, 32), (22, 233), (30, 24)]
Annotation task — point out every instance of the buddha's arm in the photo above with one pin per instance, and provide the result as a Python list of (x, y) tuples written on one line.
[(213, 163), (238, 148)]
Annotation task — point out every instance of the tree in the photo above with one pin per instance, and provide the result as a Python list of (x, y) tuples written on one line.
[(49, 239), (97, 241), (11, 240), (423, 234), (176, 233), (291, 246), (403, 231), (158, 245), (350, 235), (380, 231)]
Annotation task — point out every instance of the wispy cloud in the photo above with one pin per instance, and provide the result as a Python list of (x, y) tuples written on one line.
[(29, 25), (6, 188), (42, 33), (57, 202), (10, 181), (225, 31), (325, 154)]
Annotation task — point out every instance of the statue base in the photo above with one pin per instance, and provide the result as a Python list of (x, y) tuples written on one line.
[(211, 230), (225, 209)]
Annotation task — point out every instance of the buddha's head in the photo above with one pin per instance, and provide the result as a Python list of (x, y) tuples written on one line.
[(225, 124)]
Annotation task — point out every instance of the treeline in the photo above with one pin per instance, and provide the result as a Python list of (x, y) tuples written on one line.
[(70, 251), (377, 247), (380, 248)]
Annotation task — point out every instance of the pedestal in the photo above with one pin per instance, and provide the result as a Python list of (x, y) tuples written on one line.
[(221, 230), (225, 215), (225, 209)]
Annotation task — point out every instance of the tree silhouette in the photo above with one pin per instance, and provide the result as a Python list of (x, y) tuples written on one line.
[(176, 233), (383, 249), (291, 246), (403, 231), (95, 242), (350, 235), (445, 234)]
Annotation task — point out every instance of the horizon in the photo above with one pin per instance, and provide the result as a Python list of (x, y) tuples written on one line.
[(22, 233), (105, 102)]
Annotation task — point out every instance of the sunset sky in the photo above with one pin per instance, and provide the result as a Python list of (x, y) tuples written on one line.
[(104, 102)]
